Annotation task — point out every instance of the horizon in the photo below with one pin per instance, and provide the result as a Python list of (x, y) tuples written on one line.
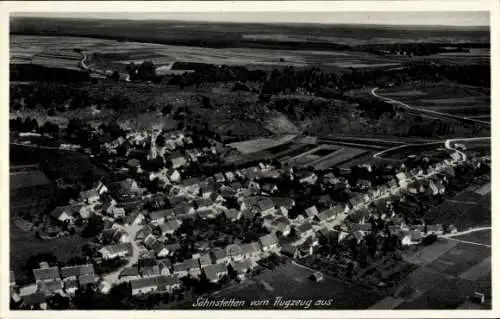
[(387, 18)]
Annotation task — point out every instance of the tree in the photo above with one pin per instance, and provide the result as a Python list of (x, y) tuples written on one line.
[(94, 227)]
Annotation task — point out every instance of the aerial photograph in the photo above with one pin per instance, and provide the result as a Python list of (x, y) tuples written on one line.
[(250, 161)]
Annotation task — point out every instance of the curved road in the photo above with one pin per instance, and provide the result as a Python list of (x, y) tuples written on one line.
[(428, 112)]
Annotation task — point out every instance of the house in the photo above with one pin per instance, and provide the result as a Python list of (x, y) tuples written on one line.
[(170, 226), (232, 214), (114, 251), (436, 229), (189, 186), (51, 287), (117, 212), (208, 213), (168, 283), (158, 217), (46, 274), (65, 214), (234, 252), (71, 286), (402, 179), (34, 300), (28, 289), (358, 236), (219, 256), (150, 271), (189, 267), (90, 196), (133, 163), (129, 273), (242, 267), (251, 251), (178, 160), (144, 232), (206, 191), (121, 236), (304, 230), (159, 249), (73, 272), (143, 285), (266, 207), (184, 209), (366, 227), (306, 177), (268, 242), (311, 212), (135, 218), (205, 260), (214, 273), (355, 202), (165, 265), (173, 175), (290, 250), (230, 176), (203, 203), (219, 178), (161, 175), (128, 188), (383, 190), (172, 248), (85, 280)]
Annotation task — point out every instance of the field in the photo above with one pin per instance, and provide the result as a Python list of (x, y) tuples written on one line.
[(443, 97), (260, 144), (71, 166), (445, 281), (465, 210), (292, 282), (24, 244), (400, 153), (324, 156), (117, 54)]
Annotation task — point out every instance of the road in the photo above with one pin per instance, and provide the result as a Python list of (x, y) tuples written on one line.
[(132, 230), (437, 115)]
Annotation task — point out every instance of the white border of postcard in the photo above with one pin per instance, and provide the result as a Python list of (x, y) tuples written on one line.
[(229, 6)]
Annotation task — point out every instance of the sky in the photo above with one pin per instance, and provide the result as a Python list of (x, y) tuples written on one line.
[(445, 18)]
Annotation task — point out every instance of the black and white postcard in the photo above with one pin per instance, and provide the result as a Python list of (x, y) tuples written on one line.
[(174, 158)]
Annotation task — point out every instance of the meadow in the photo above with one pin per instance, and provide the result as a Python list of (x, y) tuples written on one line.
[(443, 97)]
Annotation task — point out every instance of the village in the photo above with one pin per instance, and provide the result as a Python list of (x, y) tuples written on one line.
[(178, 223)]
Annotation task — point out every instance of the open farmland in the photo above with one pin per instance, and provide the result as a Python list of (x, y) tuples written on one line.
[(445, 98), (465, 210), (452, 275), (117, 54), (325, 156), (25, 244), (292, 282)]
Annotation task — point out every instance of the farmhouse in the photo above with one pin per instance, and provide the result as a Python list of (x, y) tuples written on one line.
[(114, 251), (46, 274), (170, 226), (215, 272), (266, 207), (219, 256), (73, 272), (268, 242), (250, 250)]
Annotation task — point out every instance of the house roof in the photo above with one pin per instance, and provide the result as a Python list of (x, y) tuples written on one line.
[(182, 209), (212, 271), (233, 250), (87, 279), (133, 216), (34, 299), (89, 193), (289, 249), (159, 214), (231, 213), (286, 202), (170, 225), (241, 266), (69, 209), (250, 248), (113, 249), (304, 227), (71, 284), (401, 176), (187, 265), (46, 273), (268, 240), (312, 211), (78, 270), (203, 202), (219, 253), (129, 271), (150, 271), (205, 260), (206, 212), (265, 204), (143, 283)]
